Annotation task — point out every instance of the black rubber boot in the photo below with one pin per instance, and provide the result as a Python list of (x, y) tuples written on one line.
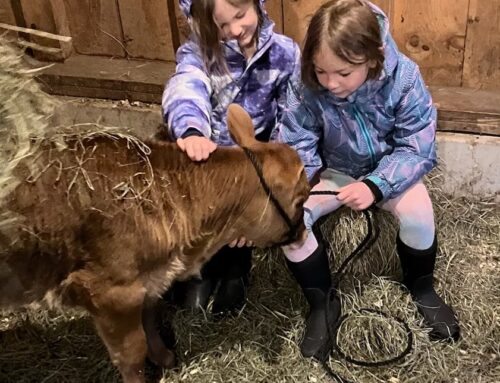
[(418, 277), (194, 293), (234, 269), (313, 276)]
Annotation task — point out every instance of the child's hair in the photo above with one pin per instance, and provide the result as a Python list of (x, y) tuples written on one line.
[(350, 29), (207, 33)]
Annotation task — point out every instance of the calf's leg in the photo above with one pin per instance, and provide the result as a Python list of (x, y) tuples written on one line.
[(158, 353), (117, 314)]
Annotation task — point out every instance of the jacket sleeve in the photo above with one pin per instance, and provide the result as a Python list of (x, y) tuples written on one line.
[(292, 78), (300, 129), (186, 97), (414, 153)]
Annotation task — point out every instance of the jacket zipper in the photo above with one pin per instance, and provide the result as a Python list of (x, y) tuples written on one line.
[(364, 131)]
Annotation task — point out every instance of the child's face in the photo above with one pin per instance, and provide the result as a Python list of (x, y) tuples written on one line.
[(236, 22), (338, 76)]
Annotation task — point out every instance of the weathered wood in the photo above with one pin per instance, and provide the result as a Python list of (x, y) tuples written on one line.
[(95, 27), (433, 34), (102, 77), (61, 22), (274, 9), (38, 15), (6, 13), (482, 48), (296, 16), (466, 110), (146, 29), (459, 109), (36, 32)]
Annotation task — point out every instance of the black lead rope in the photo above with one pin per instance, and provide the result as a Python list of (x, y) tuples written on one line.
[(333, 329)]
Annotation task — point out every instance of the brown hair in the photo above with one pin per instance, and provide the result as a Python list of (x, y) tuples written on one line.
[(207, 33), (350, 29)]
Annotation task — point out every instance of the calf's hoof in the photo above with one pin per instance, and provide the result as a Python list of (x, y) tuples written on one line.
[(163, 358)]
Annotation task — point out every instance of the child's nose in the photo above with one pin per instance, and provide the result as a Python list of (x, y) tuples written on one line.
[(333, 82), (234, 30)]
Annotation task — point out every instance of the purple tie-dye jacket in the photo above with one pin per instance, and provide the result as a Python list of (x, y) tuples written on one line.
[(194, 99), (384, 131)]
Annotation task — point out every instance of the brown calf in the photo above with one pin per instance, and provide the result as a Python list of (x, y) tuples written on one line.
[(108, 224)]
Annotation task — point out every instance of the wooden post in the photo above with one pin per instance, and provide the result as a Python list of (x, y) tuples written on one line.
[(62, 25)]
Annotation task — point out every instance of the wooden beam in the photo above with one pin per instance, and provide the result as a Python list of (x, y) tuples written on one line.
[(35, 32), (466, 110), (104, 77), (461, 110), (62, 25)]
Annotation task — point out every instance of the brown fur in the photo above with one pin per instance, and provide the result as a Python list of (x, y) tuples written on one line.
[(108, 228)]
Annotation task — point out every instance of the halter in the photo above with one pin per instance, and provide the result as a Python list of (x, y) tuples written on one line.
[(292, 228)]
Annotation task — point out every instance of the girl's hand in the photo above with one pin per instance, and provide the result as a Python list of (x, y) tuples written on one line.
[(357, 196), (197, 148), (241, 242)]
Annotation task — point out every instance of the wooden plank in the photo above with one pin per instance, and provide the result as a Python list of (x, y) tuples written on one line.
[(103, 77), (296, 16), (95, 27), (38, 15), (465, 110), (61, 22), (146, 29), (7, 14), (482, 47), (274, 9), (461, 110), (433, 34)]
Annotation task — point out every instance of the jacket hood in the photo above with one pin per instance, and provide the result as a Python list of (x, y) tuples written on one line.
[(185, 6)]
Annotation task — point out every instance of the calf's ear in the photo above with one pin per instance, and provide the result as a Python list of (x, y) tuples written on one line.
[(240, 125)]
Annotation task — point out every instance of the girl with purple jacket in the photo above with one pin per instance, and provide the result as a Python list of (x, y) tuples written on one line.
[(232, 56), (364, 125)]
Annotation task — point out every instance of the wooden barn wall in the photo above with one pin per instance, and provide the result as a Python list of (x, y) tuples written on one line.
[(482, 46), (455, 42), (6, 13)]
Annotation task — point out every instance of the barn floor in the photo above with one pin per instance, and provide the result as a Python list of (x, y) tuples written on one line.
[(260, 344)]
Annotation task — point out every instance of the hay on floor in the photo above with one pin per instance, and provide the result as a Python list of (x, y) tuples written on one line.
[(260, 344)]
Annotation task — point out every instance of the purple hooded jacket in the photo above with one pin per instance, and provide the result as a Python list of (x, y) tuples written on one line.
[(384, 131), (196, 99)]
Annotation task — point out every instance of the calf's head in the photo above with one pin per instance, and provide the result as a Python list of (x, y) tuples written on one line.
[(284, 187)]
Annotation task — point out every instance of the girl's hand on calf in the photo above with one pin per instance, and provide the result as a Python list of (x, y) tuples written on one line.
[(357, 196), (240, 242), (197, 148)]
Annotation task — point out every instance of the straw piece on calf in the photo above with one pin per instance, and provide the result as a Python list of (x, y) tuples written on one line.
[(108, 223)]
